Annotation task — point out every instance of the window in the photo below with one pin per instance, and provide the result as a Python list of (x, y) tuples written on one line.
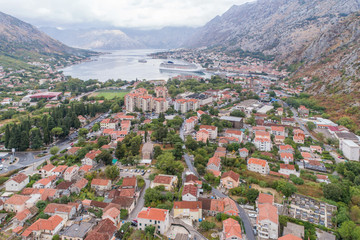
[(158, 227), (150, 220)]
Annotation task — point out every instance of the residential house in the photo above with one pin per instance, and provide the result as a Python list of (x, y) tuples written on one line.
[(190, 123), (229, 180), (262, 141), (279, 140), (24, 215), (129, 182), (214, 164), (202, 136), (235, 133), (316, 149), (113, 214), (231, 230), (59, 170), (243, 152), (101, 184), (80, 184), (190, 193), (289, 237), (63, 210), (16, 203), (44, 229), (286, 149), (154, 217), (188, 209), (168, 181), (17, 183), (45, 182), (322, 178), (303, 111), (230, 207), (264, 198), (191, 179), (105, 230), (267, 221), (108, 124), (288, 169), (212, 130), (46, 171), (278, 131), (70, 173), (286, 157), (90, 158), (258, 165), (77, 231), (73, 150)]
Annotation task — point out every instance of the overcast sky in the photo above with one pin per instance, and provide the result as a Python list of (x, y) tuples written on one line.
[(119, 13)]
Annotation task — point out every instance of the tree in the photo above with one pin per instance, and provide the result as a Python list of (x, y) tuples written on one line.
[(35, 138), (7, 136), (54, 150), (112, 172), (311, 126), (56, 237), (333, 192), (105, 157), (252, 194), (346, 230), (206, 226), (83, 132), (96, 127), (178, 151), (190, 143), (166, 162), (150, 230), (41, 205), (57, 131), (238, 113), (286, 188), (103, 140), (135, 144), (120, 150), (157, 151)]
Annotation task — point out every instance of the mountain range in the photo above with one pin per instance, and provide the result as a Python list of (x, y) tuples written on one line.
[(124, 38), (21, 42)]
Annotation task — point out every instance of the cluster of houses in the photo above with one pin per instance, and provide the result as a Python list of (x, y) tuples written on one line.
[(73, 219)]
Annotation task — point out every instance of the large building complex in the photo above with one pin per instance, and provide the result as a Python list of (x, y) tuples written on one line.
[(139, 99)]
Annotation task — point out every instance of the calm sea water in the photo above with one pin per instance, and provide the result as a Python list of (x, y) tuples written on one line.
[(120, 64)]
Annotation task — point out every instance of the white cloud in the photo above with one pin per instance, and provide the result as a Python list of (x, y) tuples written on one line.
[(120, 13)]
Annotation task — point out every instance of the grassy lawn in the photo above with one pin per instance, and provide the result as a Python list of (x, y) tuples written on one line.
[(109, 94)]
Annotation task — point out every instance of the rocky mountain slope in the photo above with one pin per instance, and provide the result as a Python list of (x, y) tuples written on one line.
[(274, 27), (16, 34), (22, 42)]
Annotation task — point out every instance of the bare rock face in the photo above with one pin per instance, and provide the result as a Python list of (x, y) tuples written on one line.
[(274, 27)]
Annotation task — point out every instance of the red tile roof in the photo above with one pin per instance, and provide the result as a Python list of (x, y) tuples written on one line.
[(265, 198), (191, 189), (92, 154), (85, 168), (129, 182), (48, 167), (81, 183), (208, 127), (73, 150), (43, 224), (214, 160), (287, 166), (231, 228), (154, 214), (188, 205), (20, 216), (57, 207), (17, 199), (257, 161), (100, 182), (289, 237), (112, 212), (232, 175), (103, 231), (267, 212), (161, 179), (19, 178)]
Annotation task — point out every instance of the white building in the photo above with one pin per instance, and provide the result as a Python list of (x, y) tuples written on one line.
[(17, 183), (288, 169), (154, 217), (258, 165), (350, 149), (212, 130), (267, 221)]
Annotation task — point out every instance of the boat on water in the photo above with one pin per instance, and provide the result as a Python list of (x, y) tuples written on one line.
[(171, 66), (142, 61)]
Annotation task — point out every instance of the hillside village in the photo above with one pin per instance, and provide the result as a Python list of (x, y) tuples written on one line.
[(222, 163)]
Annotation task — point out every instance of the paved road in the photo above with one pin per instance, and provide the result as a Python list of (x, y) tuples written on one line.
[(242, 214), (29, 158), (140, 204)]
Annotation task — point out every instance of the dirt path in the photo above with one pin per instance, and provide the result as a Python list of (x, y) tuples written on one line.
[(277, 197)]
